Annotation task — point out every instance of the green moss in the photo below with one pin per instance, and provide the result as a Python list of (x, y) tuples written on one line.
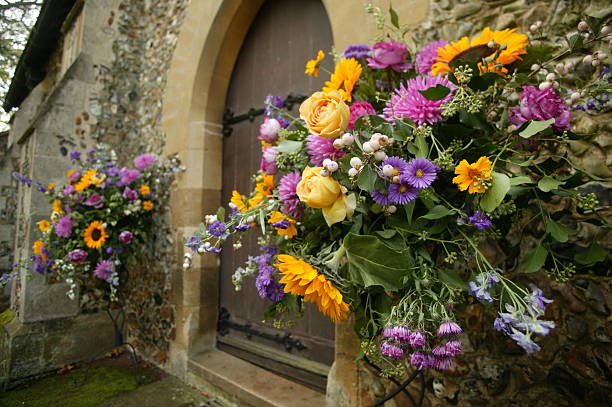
[(6, 316), (103, 384)]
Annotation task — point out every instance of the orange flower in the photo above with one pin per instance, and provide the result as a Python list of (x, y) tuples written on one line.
[(85, 181), (38, 247), (44, 226), (346, 75), (145, 190), (238, 201), (473, 176), (57, 206), (288, 224), (312, 66), (95, 235), (147, 205)]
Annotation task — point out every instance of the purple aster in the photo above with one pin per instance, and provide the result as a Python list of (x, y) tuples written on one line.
[(525, 341), (128, 176), (357, 51), (287, 195), (75, 155), (408, 102), (268, 160), (391, 350), (193, 242), (63, 227), (320, 148), (420, 173), (541, 105), (449, 328), (427, 57), (125, 237), (419, 360), (95, 200), (399, 165), (112, 172), (144, 161), (266, 284), (480, 220), (130, 194), (380, 197), (417, 339), (402, 193), (104, 269), (77, 256), (218, 229), (450, 348)]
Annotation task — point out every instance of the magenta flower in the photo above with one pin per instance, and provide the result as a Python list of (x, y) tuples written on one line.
[(128, 176), (95, 200), (268, 130), (75, 176), (68, 189), (402, 193), (420, 173), (287, 194), (268, 160), (541, 105), (125, 237), (63, 227), (391, 350), (144, 161), (104, 269), (359, 109), (449, 328), (401, 333), (441, 362), (320, 148), (419, 360), (408, 102), (390, 54), (130, 194), (427, 57), (77, 256), (417, 340)]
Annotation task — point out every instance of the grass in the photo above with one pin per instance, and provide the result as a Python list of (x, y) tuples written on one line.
[(104, 383)]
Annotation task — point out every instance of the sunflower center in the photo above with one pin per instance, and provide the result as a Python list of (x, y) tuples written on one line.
[(472, 54), (96, 234), (418, 173), (403, 189)]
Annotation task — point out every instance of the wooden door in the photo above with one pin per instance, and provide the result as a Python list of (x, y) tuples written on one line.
[(284, 34)]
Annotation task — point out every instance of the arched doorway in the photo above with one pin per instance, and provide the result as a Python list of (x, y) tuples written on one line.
[(283, 35)]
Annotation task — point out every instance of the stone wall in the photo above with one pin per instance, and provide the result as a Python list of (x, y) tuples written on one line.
[(8, 206)]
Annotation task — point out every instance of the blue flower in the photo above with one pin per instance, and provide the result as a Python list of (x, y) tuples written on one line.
[(483, 283), (524, 341), (218, 229), (193, 242), (480, 220), (536, 301)]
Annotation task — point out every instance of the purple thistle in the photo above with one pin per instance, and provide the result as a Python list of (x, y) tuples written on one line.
[(402, 193), (427, 57), (408, 102), (380, 197), (480, 220), (63, 227), (417, 339), (320, 148), (420, 173), (449, 328), (399, 165), (401, 333), (287, 194), (388, 332), (391, 350), (419, 360), (441, 362), (357, 51)]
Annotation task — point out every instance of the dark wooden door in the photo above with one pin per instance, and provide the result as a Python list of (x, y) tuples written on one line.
[(284, 34)]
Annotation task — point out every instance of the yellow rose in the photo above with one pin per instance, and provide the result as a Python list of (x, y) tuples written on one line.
[(327, 194), (325, 114)]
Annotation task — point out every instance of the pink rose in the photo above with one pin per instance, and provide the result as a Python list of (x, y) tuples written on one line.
[(268, 160), (390, 54), (268, 130), (359, 109)]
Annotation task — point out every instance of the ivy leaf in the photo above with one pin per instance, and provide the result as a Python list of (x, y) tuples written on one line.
[(559, 232), (394, 17), (535, 126), (437, 92), (500, 185), (593, 254), (452, 279), (289, 146), (547, 184), (423, 148), (520, 180), (373, 263), (437, 212), (535, 259), (367, 178)]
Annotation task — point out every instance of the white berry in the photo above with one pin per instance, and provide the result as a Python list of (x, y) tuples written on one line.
[(338, 144), (347, 139), (353, 172), (388, 170), (380, 156), (356, 162)]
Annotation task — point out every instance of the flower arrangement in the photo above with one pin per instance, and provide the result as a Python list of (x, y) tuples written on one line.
[(100, 217), (387, 193)]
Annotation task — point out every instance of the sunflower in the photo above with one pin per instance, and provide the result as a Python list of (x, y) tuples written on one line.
[(300, 278), (145, 190), (312, 66), (284, 225), (346, 75), (147, 205), (473, 176), (44, 226), (238, 201), (509, 46), (85, 181), (95, 235)]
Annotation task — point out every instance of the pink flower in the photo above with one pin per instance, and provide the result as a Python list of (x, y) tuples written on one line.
[(95, 200), (359, 109), (541, 105), (63, 227), (427, 57), (408, 102), (268, 130), (390, 54), (104, 269), (125, 237), (268, 160), (320, 148), (130, 194), (287, 194), (144, 161), (127, 176)]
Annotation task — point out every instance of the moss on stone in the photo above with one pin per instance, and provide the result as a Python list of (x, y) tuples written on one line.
[(6, 316), (104, 383)]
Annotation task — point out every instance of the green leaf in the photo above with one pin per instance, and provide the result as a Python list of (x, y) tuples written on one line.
[(367, 178), (500, 185), (452, 279), (423, 148), (437, 212), (547, 183), (289, 146), (394, 17), (535, 126), (373, 263), (221, 214), (535, 259), (559, 232), (401, 131), (409, 208), (386, 234), (593, 254), (437, 92), (520, 180), (483, 82), (575, 41)]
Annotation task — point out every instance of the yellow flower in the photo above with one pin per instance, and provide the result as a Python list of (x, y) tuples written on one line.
[(44, 226), (514, 44), (57, 206), (51, 186), (473, 176), (346, 75), (38, 247), (265, 184), (70, 173), (85, 181), (145, 190), (325, 114), (97, 179), (326, 193), (288, 231), (312, 66), (238, 200), (95, 235), (147, 205), (300, 278)]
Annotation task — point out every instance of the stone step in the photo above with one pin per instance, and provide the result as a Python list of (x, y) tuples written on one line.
[(239, 383)]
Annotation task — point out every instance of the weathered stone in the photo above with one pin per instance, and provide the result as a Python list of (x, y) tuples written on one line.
[(465, 10), (593, 296), (576, 328), (495, 375)]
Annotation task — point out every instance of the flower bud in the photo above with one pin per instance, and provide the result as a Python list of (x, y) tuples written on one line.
[(533, 28), (607, 29), (583, 26), (569, 66), (555, 85), (347, 139), (380, 155), (356, 162), (596, 62), (388, 170), (575, 96), (535, 67), (367, 147), (396, 180), (353, 172), (383, 140), (338, 144), (250, 219), (601, 55), (375, 144)]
